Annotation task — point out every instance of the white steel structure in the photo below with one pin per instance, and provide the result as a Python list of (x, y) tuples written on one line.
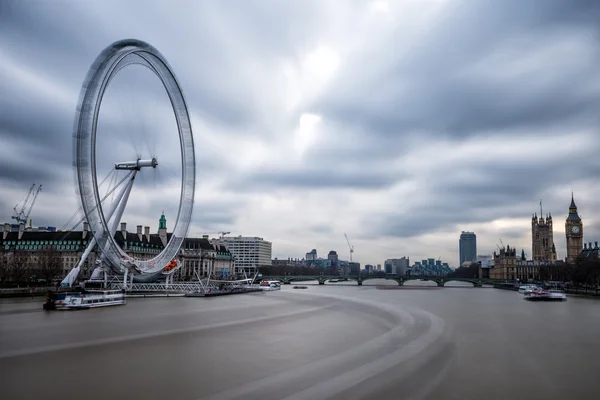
[(103, 224), (250, 252)]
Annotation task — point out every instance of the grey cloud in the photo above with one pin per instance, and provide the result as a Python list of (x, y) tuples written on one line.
[(327, 176), (11, 173), (210, 216), (428, 86), (320, 229), (214, 220), (387, 100), (505, 190)]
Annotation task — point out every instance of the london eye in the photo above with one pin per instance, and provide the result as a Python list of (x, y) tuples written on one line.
[(104, 220)]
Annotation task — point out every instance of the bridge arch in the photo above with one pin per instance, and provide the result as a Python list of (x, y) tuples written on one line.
[(438, 281), (473, 282), (382, 278)]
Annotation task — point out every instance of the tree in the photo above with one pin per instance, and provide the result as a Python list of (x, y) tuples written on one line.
[(472, 271), (587, 271), (49, 264), (19, 266), (3, 267)]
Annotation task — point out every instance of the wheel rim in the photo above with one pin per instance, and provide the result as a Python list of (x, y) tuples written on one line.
[(106, 66)]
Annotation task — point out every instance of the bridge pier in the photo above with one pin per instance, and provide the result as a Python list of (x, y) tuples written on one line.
[(359, 283)]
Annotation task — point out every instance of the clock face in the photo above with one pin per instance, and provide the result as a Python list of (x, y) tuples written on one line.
[(575, 229)]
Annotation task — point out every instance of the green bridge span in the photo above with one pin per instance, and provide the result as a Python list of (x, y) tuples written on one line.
[(439, 280)]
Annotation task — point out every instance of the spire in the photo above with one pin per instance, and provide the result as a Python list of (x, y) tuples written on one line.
[(162, 222), (572, 206)]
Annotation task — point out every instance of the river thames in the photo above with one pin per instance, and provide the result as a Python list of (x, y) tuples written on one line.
[(340, 342)]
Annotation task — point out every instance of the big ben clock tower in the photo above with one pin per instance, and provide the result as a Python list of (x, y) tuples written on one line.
[(574, 232)]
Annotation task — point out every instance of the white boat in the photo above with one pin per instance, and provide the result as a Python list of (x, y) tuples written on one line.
[(557, 295), (270, 285), (545, 295), (527, 288), (85, 300)]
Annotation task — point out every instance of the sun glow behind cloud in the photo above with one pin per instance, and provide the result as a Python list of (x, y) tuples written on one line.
[(307, 132)]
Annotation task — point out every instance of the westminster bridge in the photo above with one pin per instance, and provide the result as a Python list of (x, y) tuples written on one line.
[(439, 280)]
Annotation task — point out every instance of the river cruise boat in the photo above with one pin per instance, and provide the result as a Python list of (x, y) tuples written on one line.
[(270, 285), (527, 288), (85, 300), (545, 295)]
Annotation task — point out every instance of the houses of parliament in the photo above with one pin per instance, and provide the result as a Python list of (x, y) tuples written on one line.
[(508, 265), (542, 237)]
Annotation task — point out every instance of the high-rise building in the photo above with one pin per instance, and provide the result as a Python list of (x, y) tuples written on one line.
[(311, 255), (574, 233), (249, 253), (333, 257), (542, 238), (396, 266), (467, 247)]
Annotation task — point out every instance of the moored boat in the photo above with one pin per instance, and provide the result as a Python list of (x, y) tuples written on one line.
[(84, 300), (270, 285), (527, 288)]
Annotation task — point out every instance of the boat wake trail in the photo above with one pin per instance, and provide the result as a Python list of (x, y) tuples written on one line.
[(149, 335), (416, 341)]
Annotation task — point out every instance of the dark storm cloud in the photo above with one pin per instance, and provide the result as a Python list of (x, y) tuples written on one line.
[(9, 171)]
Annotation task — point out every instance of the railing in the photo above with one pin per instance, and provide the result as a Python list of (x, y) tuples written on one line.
[(583, 291), (157, 287)]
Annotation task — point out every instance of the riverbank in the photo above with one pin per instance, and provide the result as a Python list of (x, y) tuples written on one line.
[(595, 293), (30, 291)]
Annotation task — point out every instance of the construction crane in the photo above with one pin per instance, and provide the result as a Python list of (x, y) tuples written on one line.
[(35, 196), (221, 234), (349, 246), (20, 215)]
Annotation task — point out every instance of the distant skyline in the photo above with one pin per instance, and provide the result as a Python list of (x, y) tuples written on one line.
[(400, 123)]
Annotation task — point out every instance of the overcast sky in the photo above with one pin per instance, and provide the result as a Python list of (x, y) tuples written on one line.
[(400, 123)]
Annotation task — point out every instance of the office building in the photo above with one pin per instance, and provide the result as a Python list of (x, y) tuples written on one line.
[(467, 247), (396, 266), (249, 252)]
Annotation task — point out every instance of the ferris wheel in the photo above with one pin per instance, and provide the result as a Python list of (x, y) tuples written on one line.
[(103, 223)]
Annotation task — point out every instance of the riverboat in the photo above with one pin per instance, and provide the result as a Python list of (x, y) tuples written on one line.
[(527, 288), (270, 285), (545, 295), (85, 300)]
